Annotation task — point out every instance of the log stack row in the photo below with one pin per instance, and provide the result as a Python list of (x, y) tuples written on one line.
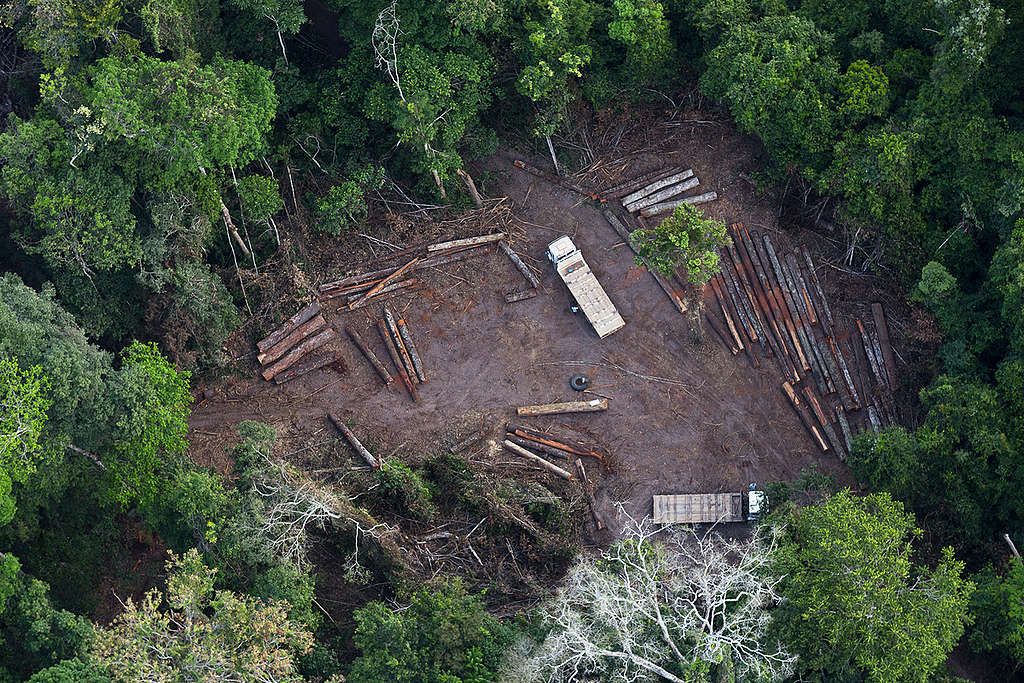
[(662, 194), (769, 304), (296, 347)]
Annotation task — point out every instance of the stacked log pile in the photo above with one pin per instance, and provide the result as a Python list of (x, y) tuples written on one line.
[(288, 352), (769, 303)]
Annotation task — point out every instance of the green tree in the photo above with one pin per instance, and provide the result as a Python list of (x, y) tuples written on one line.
[(202, 634), (779, 79), (863, 91), (345, 203), (443, 636), (686, 238), (33, 633), (641, 26), (998, 609), (854, 601)]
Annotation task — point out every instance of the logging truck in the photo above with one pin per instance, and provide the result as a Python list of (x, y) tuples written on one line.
[(584, 287)]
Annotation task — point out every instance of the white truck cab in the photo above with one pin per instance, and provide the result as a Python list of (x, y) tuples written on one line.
[(584, 287)]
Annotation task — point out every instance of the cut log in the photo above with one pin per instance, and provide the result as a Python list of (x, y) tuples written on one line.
[(844, 425), (298, 334), (747, 299), (569, 185), (480, 240), (817, 286), (313, 361), (289, 326), (434, 261), (518, 263), (520, 295), (665, 285), (383, 283), (876, 347), (664, 195), (589, 488), (883, 337), (749, 257), (410, 347), (416, 286), (397, 360), (807, 309), (473, 438), (870, 353), (593, 406), (738, 302), (775, 297), (838, 354), (823, 420), (298, 351), (541, 437), (471, 186), (721, 333), (876, 425), (370, 355), (795, 402), (353, 441), (725, 314), (403, 353), (537, 460), (673, 205), (393, 287), (348, 290), (640, 181), (539, 447), (655, 186)]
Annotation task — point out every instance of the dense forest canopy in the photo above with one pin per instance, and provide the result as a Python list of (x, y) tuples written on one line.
[(153, 154)]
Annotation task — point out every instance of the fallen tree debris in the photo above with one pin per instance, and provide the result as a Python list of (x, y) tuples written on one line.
[(473, 438), (289, 326), (313, 361), (370, 355), (542, 448), (537, 460), (592, 406), (394, 286), (589, 489), (547, 439), (298, 351), (353, 441), (569, 185)]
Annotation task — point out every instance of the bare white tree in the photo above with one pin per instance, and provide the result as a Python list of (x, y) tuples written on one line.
[(385, 46), (686, 601)]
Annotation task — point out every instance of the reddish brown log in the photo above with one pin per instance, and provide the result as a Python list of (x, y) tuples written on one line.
[(883, 338), (589, 488), (397, 360), (795, 401), (313, 361), (289, 326), (368, 353), (403, 353), (298, 351), (353, 441), (301, 332), (383, 283), (538, 438), (539, 447), (537, 460)]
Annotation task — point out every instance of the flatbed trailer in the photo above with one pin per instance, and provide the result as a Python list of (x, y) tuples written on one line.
[(698, 508), (584, 287)]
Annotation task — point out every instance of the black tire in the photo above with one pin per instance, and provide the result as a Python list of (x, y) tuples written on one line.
[(579, 382)]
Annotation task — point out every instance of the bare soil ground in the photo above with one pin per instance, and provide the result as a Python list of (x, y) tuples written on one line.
[(683, 418)]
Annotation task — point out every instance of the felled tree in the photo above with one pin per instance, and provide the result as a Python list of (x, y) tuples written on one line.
[(854, 601), (202, 634), (680, 608)]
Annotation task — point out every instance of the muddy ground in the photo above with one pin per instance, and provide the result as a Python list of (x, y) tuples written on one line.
[(683, 417)]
